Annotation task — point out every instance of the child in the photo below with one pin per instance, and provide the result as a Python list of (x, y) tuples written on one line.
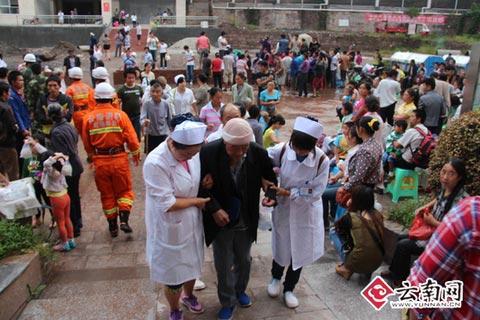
[(33, 168), (270, 135), (347, 97), (347, 113), (341, 146), (391, 153), (55, 185)]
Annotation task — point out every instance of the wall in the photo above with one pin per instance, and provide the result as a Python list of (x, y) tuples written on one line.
[(38, 36), (44, 7), (313, 20)]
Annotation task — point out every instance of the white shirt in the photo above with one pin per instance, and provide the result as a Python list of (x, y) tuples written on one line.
[(388, 90), (163, 48), (182, 102), (189, 58), (222, 43)]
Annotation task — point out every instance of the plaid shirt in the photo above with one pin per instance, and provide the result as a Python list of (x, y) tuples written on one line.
[(453, 253)]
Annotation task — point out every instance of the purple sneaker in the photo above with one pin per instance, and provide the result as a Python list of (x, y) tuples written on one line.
[(192, 304), (176, 315)]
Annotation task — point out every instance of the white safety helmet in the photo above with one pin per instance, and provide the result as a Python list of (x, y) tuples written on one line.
[(100, 73), (29, 57), (75, 73), (104, 91)]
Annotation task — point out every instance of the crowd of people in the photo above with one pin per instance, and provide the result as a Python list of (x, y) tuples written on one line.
[(208, 161)]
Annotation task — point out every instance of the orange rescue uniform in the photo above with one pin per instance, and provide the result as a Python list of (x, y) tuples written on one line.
[(78, 91), (105, 131), (92, 103)]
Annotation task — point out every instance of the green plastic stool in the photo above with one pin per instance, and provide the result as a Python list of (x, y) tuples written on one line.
[(405, 184)]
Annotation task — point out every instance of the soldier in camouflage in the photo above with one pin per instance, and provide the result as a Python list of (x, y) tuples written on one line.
[(35, 89), (28, 59)]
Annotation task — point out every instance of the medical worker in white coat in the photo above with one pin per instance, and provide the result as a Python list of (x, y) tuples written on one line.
[(298, 232), (175, 239)]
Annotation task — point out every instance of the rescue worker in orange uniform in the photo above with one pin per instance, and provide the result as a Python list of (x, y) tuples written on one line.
[(100, 75), (78, 91), (105, 131)]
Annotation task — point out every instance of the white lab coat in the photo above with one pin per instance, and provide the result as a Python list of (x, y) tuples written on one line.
[(298, 230), (174, 239)]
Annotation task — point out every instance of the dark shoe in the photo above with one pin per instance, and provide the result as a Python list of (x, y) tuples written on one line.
[(124, 222), (113, 227), (378, 191), (76, 234), (388, 179)]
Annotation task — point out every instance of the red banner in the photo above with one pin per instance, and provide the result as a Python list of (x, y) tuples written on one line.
[(106, 7), (403, 18)]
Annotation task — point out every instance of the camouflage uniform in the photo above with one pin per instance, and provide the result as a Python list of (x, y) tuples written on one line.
[(27, 76), (35, 89)]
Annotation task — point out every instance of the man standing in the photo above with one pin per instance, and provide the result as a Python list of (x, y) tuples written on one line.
[(262, 78), (78, 91), (236, 166), (228, 65), (333, 70), (153, 44), (8, 131), (104, 134), (203, 44), (282, 45), (434, 106), (344, 65), (29, 59), (222, 44), (130, 95), (71, 61), (388, 89), (36, 87), (20, 111)]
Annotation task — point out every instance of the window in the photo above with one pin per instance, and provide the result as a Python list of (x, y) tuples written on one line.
[(9, 6)]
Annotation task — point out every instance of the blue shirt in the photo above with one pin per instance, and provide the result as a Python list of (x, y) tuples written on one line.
[(20, 110)]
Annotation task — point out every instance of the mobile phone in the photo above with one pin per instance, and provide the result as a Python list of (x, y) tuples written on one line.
[(271, 193)]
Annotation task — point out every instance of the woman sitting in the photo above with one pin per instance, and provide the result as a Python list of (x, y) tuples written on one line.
[(410, 101), (452, 178), (361, 230), (270, 136)]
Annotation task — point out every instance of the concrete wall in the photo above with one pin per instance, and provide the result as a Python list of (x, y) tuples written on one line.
[(38, 36), (171, 35), (44, 7)]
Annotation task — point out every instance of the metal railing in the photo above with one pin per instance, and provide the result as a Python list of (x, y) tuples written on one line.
[(35, 20), (184, 21)]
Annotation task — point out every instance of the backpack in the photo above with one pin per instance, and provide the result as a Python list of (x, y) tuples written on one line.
[(421, 155)]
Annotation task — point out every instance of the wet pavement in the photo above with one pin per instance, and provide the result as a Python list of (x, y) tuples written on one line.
[(106, 278)]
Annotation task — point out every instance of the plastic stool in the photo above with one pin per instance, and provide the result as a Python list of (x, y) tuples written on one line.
[(405, 184)]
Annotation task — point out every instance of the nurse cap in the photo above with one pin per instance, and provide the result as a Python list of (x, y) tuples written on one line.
[(189, 133), (177, 77), (310, 127)]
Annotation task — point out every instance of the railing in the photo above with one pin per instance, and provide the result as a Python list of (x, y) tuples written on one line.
[(184, 21), (31, 20)]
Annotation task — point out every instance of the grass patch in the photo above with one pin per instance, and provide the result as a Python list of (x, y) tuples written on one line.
[(17, 239), (403, 212)]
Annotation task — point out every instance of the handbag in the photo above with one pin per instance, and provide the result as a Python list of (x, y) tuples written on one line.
[(420, 230), (167, 57), (343, 196), (342, 229)]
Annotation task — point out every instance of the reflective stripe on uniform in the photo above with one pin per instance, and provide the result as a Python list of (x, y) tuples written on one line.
[(125, 200), (80, 96), (135, 152), (110, 211), (105, 130)]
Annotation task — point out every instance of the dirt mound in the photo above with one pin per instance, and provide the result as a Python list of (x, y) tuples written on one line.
[(50, 54), (8, 49)]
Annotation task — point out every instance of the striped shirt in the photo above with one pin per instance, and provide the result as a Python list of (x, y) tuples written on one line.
[(453, 253), (210, 116)]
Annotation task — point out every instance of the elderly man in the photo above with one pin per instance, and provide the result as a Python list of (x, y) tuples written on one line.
[(434, 106), (227, 112), (236, 166)]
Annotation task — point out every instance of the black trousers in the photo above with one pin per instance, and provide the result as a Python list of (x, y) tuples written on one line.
[(402, 164), (291, 279), (153, 142), (217, 79), (400, 266), (73, 183), (302, 84), (387, 113)]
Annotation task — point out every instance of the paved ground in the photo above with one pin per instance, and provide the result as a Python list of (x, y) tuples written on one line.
[(106, 278)]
